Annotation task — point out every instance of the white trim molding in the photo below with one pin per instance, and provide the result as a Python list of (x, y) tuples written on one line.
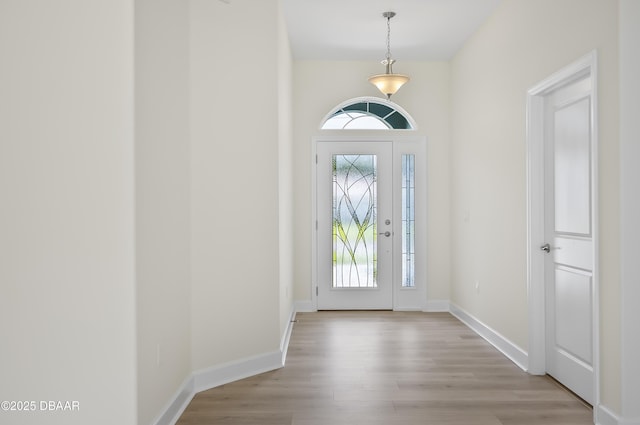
[(178, 404), (284, 341), (215, 376), (629, 14), (206, 379), (225, 373), (605, 416), (501, 343)]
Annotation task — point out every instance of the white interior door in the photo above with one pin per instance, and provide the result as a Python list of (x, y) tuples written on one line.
[(354, 225), (569, 250)]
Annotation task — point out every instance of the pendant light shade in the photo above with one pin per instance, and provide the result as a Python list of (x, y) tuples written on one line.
[(388, 83)]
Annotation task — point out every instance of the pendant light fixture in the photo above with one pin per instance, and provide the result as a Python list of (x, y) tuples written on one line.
[(388, 83)]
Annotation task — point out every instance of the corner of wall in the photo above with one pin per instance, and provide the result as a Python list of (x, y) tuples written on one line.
[(208, 378)]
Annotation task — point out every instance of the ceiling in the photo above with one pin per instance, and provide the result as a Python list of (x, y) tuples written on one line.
[(356, 30)]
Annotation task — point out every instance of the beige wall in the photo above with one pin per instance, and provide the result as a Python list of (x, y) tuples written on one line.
[(214, 240), (162, 202), (522, 43), (67, 284), (319, 86), (234, 181)]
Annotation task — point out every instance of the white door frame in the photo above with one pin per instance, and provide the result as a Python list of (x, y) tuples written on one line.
[(535, 213), (629, 16), (394, 136)]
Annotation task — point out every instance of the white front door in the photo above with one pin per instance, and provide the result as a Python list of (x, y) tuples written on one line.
[(354, 225), (568, 248), (368, 242)]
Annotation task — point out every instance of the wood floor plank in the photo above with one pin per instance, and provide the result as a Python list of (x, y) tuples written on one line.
[(400, 368)]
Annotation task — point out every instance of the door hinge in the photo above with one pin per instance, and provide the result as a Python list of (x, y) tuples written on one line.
[(316, 224), (316, 291)]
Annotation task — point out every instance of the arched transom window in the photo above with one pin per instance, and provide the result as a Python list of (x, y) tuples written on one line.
[(368, 113)]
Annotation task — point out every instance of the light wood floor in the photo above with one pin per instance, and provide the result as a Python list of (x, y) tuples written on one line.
[(391, 368)]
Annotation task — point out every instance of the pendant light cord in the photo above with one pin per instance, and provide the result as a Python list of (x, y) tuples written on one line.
[(388, 38)]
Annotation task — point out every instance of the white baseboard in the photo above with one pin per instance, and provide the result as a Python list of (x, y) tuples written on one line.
[(502, 344), (437, 306), (205, 379), (432, 306), (604, 416), (215, 376), (284, 341), (178, 404), (233, 371)]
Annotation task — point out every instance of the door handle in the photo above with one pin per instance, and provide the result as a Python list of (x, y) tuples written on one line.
[(387, 233), (546, 248)]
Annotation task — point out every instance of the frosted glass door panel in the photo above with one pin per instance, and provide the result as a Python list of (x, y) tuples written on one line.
[(354, 221)]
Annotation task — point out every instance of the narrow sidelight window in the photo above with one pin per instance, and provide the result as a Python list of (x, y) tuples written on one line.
[(408, 221)]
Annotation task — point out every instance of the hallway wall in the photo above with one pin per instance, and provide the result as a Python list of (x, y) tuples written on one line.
[(235, 258), (162, 202), (285, 172), (522, 43), (67, 260)]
